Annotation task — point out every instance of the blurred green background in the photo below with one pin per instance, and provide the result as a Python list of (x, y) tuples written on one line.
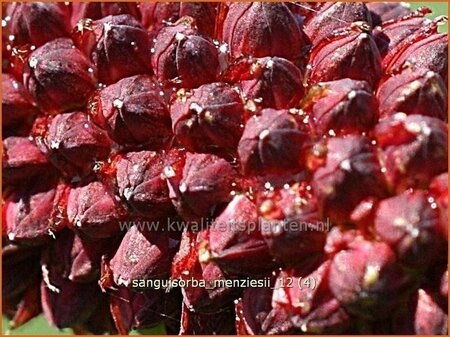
[(39, 326)]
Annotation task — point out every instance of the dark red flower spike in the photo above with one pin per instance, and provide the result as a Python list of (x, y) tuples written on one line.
[(183, 145)]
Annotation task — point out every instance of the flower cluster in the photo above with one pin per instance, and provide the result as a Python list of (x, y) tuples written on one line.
[(313, 135)]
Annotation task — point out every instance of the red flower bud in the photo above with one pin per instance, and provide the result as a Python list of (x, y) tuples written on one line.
[(208, 117), (351, 174), (22, 161), (344, 55), (270, 82), (406, 142), (421, 316), (373, 282), (132, 111), (255, 314), (409, 223), (189, 264), (34, 213), (98, 10), (38, 22), (117, 45), (423, 49), (141, 181), (393, 32), (183, 56), (235, 242), (93, 210), (333, 16), (341, 107), (140, 310), (421, 92), (381, 12), (263, 29), (65, 303), (142, 255), (272, 141), (57, 76), (206, 184), (17, 105), (290, 223), (156, 14), (307, 297), (77, 259), (73, 143)]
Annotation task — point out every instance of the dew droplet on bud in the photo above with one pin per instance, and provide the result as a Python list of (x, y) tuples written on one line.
[(183, 188), (118, 103), (169, 172), (32, 62), (195, 107), (180, 36), (264, 134), (107, 26)]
